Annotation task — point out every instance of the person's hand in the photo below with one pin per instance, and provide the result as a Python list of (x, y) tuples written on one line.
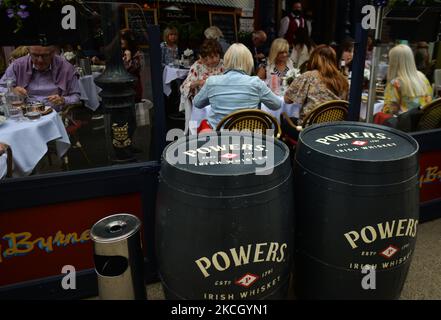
[(127, 56), (198, 84), (56, 100), (20, 91), (259, 56)]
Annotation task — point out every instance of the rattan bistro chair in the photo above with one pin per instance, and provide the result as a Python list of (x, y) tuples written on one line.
[(253, 120), (331, 111), (9, 160), (431, 116)]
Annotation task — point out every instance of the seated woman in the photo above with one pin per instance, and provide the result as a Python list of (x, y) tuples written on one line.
[(407, 87), (323, 82), (216, 34), (346, 56), (302, 48), (235, 89), (132, 59), (169, 48), (209, 64), (278, 64)]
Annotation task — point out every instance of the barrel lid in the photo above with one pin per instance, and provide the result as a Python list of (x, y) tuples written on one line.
[(115, 228), (359, 142), (344, 149), (225, 153), (212, 159)]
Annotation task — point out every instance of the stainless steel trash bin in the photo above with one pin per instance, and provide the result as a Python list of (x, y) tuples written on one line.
[(118, 258)]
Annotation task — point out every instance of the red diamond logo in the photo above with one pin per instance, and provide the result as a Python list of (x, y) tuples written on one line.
[(247, 280), (359, 143), (229, 156), (389, 252)]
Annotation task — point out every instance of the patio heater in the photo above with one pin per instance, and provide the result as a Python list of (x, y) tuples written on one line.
[(379, 4), (118, 92)]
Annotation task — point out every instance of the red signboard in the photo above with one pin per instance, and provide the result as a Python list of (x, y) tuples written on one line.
[(430, 176), (37, 242)]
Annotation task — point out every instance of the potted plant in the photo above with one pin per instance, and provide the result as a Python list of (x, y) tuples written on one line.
[(37, 21)]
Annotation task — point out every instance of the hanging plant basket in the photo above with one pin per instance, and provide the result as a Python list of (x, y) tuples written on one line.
[(414, 23), (34, 22)]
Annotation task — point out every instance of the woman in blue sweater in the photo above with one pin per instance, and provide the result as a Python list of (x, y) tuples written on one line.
[(235, 89)]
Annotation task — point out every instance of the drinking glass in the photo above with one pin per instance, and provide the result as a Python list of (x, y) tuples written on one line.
[(16, 105), (32, 112)]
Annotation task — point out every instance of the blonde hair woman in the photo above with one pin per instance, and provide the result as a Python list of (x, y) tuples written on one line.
[(236, 89), (169, 47), (278, 64), (407, 87)]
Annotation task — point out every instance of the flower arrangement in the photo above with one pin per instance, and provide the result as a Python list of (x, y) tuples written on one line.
[(291, 75), (188, 53), (19, 10), (69, 56), (367, 74)]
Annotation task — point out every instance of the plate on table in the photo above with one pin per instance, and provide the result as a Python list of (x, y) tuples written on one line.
[(98, 68), (2, 120), (47, 110)]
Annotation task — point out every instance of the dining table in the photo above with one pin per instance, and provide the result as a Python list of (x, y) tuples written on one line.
[(170, 74), (28, 140), (90, 91)]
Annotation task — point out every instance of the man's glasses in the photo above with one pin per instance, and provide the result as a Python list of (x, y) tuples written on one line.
[(42, 56)]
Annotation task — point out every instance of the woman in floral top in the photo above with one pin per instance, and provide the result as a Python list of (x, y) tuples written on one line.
[(322, 83), (407, 87), (209, 64)]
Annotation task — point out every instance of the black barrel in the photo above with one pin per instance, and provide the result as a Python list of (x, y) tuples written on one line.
[(223, 230), (357, 207)]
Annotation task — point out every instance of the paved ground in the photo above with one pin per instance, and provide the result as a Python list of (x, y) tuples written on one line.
[(424, 278)]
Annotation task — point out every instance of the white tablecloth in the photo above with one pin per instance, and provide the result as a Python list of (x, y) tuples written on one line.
[(197, 115), (378, 106), (170, 74), (90, 92), (28, 140), (3, 165)]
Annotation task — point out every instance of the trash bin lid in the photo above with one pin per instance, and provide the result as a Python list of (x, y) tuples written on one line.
[(115, 228)]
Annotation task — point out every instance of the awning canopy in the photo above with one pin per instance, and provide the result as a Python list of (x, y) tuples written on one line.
[(248, 4)]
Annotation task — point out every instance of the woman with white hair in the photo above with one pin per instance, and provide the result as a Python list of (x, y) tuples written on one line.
[(279, 64), (407, 87), (236, 89), (216, 34)]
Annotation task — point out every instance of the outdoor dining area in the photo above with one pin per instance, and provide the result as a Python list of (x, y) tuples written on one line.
[(278, 162)]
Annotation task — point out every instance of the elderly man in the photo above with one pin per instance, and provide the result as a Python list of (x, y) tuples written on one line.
[(43, 75), (257, 46)]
